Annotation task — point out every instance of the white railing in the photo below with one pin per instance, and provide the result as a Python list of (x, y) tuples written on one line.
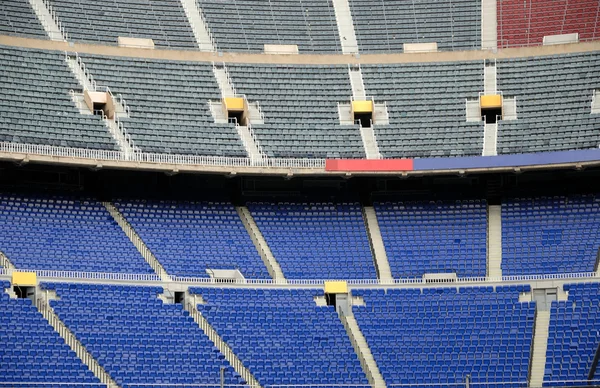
[(141, 157), (54, 16), (66, 276)]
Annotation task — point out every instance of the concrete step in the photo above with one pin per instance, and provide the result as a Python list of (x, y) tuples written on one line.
[(490, 138), (48, 313), (489, 23), (363, 351), (489, 78), (261, 244), (494, 237), (48, 20), (382, 265), (369, 140), (356, 81), (137, 241), (230, 356), (343, 16), (540, 344), (202, 34)]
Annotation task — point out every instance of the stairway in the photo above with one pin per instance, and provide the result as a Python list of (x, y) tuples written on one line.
[(261, 244), (382, 265), (43, 306), (114, 126), (490, 139), (537, 364), (363, 351), (224, 81), (489, 78), (367, 134), (596, 102), (356, 80), (489, 25), (343, 16), (199, 27), (48, 20), (137, 241), (230, 356), (494, 246)]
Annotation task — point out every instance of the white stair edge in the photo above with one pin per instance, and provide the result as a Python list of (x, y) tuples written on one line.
[(489, 79), (137, 241), (489, 25), (494, 246), (367, 134), (201, 31), (216, 339), (261, 244), (537, 367), (361, 347), (356, 81), (595, 102), (384, 273), (490, 139), (48, 20), (345, 25), (71, 340)]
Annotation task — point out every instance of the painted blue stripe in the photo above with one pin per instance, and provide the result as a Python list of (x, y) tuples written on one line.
[(507, 160)]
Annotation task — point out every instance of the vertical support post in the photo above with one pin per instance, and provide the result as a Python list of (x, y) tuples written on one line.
[(468, 381), (222, 377)]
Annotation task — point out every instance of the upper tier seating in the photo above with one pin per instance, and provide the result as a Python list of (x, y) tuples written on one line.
[(136, 338), (426, 106), (31, 351), (282, 337), (550, 235), (17, 18), (385, 25), (438, 237), (247, 25), (164, 21), (189, 238), (168, 101), (300, 105), (525, 23), (65, 234), (573, 335), (316, 241), (554, 96), (440, 337), (35, 105)]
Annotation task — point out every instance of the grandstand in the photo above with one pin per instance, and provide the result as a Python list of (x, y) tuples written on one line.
[(313, 193)]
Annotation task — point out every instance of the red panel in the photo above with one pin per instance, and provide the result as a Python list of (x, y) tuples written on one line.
[(366, 165), (525, 22)]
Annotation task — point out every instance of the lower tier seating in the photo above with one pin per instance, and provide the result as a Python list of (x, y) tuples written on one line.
[(282, 337), (550, 235), (136, 338), (440, 336), (31, 352), (573, 336)]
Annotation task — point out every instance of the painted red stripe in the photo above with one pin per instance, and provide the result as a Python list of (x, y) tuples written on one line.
[(366, 165)]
